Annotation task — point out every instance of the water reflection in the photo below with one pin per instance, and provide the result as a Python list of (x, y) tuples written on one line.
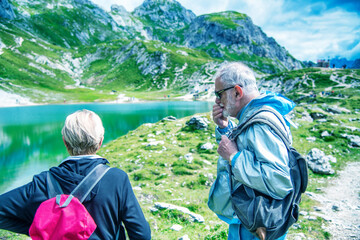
[(30, 137)]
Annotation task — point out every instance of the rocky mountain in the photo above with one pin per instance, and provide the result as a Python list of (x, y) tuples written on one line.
[(163, 18), (61, 46), (229, 34)]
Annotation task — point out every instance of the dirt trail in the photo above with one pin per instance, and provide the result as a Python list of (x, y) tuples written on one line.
[(340, 204)]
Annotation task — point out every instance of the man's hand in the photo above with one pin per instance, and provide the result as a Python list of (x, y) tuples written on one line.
[(218, 116), (227, 148), (261, 232)]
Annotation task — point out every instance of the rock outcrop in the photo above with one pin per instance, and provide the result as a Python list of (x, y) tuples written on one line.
[(163, 18), (318, 162), (234, 33), (6, 11), (167, 14)]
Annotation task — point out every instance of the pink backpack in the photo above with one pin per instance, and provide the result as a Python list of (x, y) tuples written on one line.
[(64, 216)]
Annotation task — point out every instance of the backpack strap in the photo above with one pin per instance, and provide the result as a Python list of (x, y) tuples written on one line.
[(256, 118), (86, 185), (54, 187)]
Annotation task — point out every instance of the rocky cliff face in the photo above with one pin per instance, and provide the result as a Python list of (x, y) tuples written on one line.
[(68, 23), (234, 33), (167, 14), (162, 18), (6, 11)]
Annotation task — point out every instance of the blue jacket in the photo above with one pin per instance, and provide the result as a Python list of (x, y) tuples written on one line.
[(111, 203), (262, 160)]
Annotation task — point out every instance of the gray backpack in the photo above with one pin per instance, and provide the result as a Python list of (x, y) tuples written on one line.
[(255, 209)]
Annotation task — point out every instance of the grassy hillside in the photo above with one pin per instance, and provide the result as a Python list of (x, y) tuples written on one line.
[(47, 73), (164, 175)]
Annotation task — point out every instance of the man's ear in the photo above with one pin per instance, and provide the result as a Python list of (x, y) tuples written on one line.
[(239, 92), (101, 142), (64, 141), (66, 145)]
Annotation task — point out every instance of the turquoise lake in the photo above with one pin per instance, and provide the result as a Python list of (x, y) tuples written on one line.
[(31, 139)]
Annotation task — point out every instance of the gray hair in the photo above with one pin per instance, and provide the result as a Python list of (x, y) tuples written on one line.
[(236, 73), (83, 131)]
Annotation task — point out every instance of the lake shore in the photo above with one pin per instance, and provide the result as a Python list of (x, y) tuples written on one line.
[(15, 100)]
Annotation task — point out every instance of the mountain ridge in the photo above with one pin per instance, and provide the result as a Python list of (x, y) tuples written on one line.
[(170, 48)]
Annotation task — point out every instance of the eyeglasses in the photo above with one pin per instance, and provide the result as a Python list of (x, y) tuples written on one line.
[(218, 93)]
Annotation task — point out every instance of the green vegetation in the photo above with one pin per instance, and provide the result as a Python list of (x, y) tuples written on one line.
[(186, 183), (227, 19), (154, 157)]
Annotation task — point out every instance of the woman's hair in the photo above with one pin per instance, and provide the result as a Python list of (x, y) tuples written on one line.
[(236, 73), (83, 132)]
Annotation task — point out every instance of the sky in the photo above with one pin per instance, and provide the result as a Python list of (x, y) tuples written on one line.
[(308, 29)]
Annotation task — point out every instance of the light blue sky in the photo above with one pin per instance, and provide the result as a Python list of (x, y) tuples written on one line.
[(308, 29)]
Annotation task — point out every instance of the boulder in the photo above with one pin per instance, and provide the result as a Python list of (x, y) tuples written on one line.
[(317, 115), (169, 118), (318, 162), (194, 217), (176, 227), (354, 140), (199, 123), (325, 134), (207, 146)]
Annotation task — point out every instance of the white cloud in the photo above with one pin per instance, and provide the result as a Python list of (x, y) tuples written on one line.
[(260, 11), (316, 37), (200, 7)]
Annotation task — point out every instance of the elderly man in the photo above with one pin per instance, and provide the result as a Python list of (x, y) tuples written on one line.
[(258, 158), (111, 203)]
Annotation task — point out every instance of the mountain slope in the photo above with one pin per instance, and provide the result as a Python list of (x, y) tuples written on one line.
[(72, 46), (162, 18), (233, 36)]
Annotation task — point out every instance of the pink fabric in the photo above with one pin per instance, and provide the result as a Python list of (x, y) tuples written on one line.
[(68, 223)]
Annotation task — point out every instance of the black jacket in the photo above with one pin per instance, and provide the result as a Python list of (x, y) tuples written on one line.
[(111, 203)]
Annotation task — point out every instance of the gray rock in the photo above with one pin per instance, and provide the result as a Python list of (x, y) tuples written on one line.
[(354, 139), (169, 118), (207, 146), (337, 110), (6, 10), (194, 217), (354, 119), (185, 237), (322, 120), (176, 227), (165, 14), (311, 139), (335, 207), (318, 162), (317, 115), (325, 134), (199, 123), (189, 157)]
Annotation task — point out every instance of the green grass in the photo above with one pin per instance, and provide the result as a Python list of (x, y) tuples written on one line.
[(164, 174), (185, 184), (226, 19)]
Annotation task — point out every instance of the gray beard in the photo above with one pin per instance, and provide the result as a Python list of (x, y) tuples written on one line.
[(225, 113)]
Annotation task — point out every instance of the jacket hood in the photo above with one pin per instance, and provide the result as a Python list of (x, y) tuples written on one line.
[(280, 103), (73, 170)]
